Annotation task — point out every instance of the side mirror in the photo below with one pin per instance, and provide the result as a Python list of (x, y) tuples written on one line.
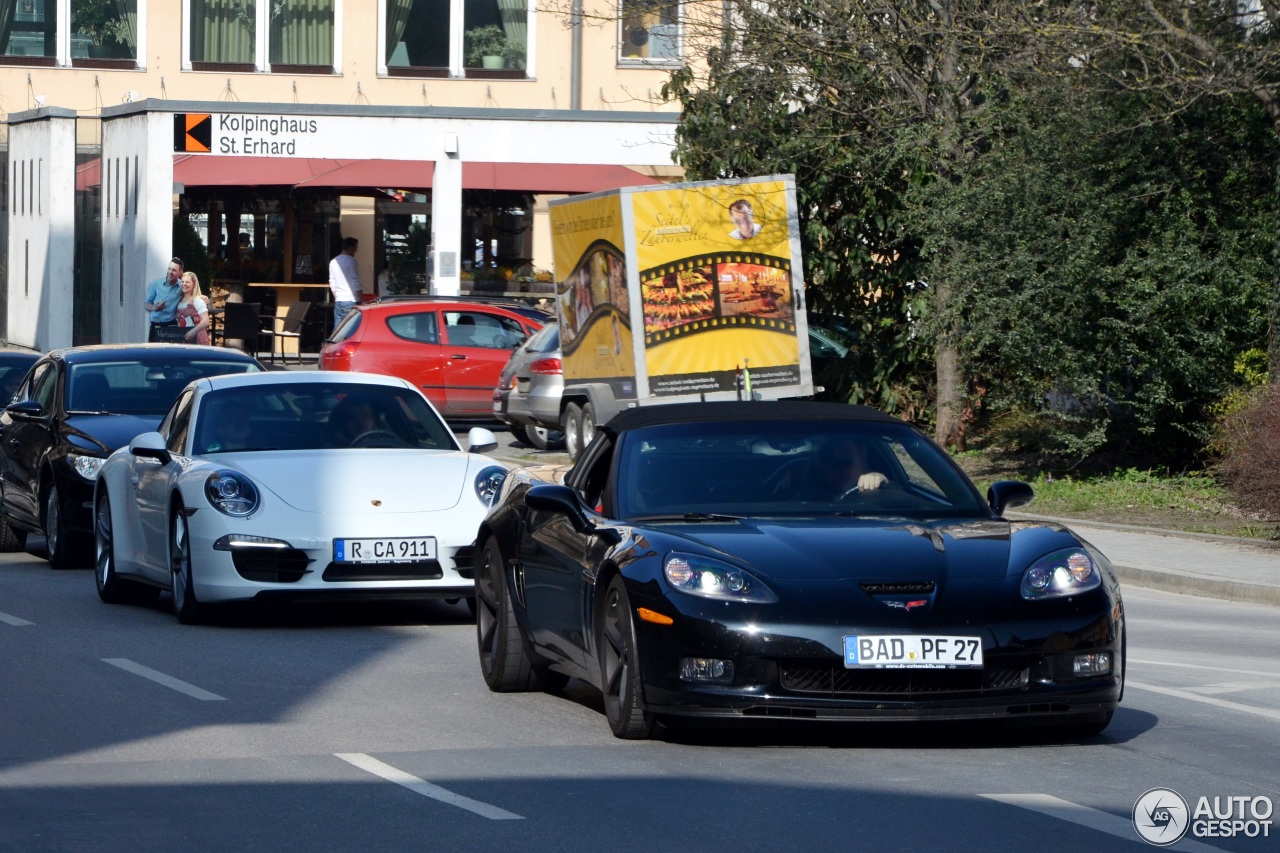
[(26, 410), (150, 445), (481, 440), (1009, 494), (560, 499)]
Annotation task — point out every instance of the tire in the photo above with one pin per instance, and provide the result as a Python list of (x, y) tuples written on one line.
[(541, 437), (504, 657), (185, 606), (11, 539), (112, 588), (619, 672), (572, 422), (62, 552), (587, 425)]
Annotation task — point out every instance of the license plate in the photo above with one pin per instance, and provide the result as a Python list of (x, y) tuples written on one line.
[(497, 407), (402, 550), (912, 651)]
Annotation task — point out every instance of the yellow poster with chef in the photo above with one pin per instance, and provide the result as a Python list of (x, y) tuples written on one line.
[(715, 272)]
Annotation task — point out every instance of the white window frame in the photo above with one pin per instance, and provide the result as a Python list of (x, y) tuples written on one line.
[(63, 58), (457, 46), (261, 36), (638, 62)]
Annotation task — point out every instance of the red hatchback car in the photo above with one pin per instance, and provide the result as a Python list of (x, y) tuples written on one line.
[(453, 350)]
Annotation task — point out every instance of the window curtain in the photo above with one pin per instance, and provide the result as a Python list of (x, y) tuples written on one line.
[(222, 30), (127, 11), (515, 20), (397, 19), (302, 32)]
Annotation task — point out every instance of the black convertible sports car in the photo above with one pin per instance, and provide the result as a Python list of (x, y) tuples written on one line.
[(792, 560)]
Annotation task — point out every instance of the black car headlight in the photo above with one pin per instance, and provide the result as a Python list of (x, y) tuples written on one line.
[(1067, 572), (86, 466), (489, 483), (231, 492), (710, 578)]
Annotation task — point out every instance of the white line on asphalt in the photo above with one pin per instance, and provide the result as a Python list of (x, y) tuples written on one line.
[(1084, 816), (1207, 700), (167, 680), (426, 789), (1202, 666), (14, 620)]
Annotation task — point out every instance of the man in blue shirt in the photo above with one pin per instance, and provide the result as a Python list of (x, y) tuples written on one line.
[(162, 298)]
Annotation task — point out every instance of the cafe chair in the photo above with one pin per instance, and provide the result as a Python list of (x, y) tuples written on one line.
[(241, 322), (291, 329)]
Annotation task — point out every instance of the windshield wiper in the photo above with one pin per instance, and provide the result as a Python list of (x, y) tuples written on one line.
[(88, 412), (688, 516)]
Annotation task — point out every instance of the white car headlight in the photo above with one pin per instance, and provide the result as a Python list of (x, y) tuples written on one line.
[(489, 483), (86, 466), (231, 492), (708, 578), (1067, 572)]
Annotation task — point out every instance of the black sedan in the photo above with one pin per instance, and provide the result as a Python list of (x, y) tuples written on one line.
[(792, 560), (72, 409)]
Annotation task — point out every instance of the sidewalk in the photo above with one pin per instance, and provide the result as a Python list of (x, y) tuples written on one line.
[(1212, 566)]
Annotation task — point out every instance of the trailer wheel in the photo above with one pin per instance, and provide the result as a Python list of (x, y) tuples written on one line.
[(571, 422)]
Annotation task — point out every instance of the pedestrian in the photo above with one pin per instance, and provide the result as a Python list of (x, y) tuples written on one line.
[(162, 298), (344, 280), (193, 310)]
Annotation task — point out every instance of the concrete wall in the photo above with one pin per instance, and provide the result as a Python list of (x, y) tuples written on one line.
[(41, 229)]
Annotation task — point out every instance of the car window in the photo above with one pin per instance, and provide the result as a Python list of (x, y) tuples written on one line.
[(316, 416), (174, 429), (482, 329), (43, 384), (546, 339), (134, 387), (347, 327), (419, 327)]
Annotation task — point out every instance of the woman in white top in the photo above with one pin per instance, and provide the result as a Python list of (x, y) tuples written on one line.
[(193, 310)]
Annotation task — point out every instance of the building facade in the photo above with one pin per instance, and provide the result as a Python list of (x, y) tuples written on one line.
[(435, 131)]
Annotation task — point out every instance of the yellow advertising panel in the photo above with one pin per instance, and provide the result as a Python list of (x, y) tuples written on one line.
[(715, 272), (591, 270)]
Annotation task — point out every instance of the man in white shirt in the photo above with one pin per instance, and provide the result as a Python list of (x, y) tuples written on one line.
[(344, 280)]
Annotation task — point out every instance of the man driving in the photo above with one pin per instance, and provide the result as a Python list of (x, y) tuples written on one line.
[(839, 467)]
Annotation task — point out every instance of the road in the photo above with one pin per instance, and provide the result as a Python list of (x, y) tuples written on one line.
[(369, 728)]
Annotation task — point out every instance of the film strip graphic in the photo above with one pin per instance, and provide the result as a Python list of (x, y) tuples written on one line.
[(717, 290)]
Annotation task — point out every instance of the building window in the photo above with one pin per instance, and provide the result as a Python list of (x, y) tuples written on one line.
[(104, 29), (293, 34), (29, 28), (101, 33), (441, 38), (649, 31)]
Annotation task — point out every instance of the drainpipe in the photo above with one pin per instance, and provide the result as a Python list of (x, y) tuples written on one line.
[(575, 68)]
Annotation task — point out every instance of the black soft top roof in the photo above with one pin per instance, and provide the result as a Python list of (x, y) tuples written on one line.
[(150, 353), (781, 410)]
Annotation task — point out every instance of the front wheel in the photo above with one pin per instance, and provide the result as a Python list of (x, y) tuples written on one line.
[(504, 658), (619, 669), (185, 606), (572, 422), (60, 548)]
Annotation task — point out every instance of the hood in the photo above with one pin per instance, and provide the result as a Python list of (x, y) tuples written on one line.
[(104, 433), (886, 550), (361, 481)]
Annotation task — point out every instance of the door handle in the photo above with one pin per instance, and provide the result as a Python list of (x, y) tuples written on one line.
[(458, 357)]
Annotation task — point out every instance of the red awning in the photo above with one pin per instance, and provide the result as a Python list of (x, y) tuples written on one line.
[(213, 170), (387, 174), (550, 178)]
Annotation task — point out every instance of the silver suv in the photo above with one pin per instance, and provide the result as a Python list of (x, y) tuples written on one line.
[(529, 390)]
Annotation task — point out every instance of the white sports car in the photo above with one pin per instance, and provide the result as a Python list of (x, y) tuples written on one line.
[(292, 485)]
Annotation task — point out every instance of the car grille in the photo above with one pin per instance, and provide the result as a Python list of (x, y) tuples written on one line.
[(270, 565), (898, 587), (999, 674), (424, 571)]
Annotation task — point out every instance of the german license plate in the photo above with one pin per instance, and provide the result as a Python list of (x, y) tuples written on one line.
[(912, 651), (400, 550)]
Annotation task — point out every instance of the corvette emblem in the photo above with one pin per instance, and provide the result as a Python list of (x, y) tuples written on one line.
[(907, 605)]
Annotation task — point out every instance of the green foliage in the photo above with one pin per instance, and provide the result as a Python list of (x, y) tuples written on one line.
[(489, 40), (1250, 440), (188, 246)]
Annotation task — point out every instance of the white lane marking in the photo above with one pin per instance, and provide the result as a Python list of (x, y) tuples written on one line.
[(14, 620), (418, 786), (1207, 700), (1085, 816), (1228, 687), (167, 680), (1202, 666)]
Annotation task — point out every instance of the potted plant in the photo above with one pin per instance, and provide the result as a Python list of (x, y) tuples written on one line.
[(513, 54), (485, 46)]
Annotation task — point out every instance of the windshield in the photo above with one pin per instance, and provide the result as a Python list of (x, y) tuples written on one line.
[(768, 468), (316, 415), (140, 387)]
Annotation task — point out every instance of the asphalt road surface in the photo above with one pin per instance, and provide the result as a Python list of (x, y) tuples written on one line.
[(369, 728)]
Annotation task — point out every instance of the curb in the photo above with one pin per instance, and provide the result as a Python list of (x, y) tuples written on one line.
[(1150, 531), (1198, 586)]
